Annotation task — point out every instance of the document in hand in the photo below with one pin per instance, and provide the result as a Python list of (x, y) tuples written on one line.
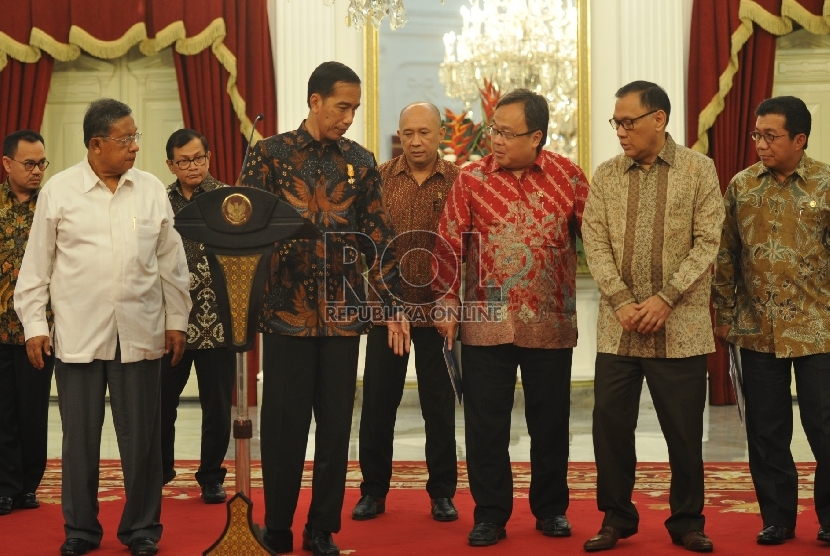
[(736, 373), (454, 370)]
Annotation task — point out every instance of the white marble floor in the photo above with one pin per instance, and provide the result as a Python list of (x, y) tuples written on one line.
[(724, 435)]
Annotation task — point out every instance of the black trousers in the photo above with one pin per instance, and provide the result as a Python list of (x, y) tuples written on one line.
[(215, 372), (678, 389), (301, 376), (383, 383), (24, 419), (489, 381), (769, 431)]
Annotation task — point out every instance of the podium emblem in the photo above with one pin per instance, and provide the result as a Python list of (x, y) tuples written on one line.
[(236, 209)]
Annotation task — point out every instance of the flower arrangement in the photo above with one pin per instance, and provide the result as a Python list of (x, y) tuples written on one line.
[(466, 140)]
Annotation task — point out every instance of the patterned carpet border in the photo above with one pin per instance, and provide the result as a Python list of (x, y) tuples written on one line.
[(728, 485)]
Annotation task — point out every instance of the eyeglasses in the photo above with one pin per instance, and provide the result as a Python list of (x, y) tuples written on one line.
[(628, 124), (124, 141), (508, 135), (29, 165), (184, 164), (768, 137)]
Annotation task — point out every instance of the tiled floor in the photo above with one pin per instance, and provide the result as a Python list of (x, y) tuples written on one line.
[(724, 435)]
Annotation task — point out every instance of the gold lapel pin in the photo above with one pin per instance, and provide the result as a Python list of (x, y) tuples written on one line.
[(812, 204), (350, 171)]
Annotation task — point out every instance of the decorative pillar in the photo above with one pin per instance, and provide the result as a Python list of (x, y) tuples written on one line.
[(304, 34)]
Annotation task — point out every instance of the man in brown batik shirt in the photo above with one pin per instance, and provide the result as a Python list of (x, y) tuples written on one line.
[(24, 390), (188, 158), (415, 190), (772, 299)]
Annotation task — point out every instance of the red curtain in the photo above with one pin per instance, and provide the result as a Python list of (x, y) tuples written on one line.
[(23, 86), (715, 24), (224, 81), (203, 80)]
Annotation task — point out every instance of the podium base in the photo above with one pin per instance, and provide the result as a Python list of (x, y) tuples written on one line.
[(241, 535)]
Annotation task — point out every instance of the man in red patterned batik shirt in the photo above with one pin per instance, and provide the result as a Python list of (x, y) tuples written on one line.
[(514, 217)]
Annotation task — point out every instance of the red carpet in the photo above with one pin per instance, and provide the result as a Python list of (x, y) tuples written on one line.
[(407, 529)]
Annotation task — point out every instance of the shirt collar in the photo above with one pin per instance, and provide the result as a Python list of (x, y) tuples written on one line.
[(207, 184), (6, 192), (801, 169), (91, 179), (401, 167), (667, 154), (304, 139), (540, 163)]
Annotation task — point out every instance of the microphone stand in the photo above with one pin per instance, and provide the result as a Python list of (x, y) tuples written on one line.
[(242, 427), (241, 535), (248, 148)]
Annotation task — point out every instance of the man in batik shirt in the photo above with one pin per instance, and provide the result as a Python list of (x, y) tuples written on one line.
[(415, 185), (24, 390), (651, 228), (514, 216), (188, 158), (772, 298), (315, 306)]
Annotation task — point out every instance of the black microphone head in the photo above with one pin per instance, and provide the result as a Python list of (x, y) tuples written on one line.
[(260, 117)]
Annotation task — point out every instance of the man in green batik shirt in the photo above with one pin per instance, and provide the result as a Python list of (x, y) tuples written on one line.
[(772, 298)]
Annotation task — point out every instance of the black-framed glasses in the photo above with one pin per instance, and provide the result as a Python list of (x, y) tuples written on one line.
[(184, 163), (628, 124), (508, 135), (768, 137), (124, 141), (29, 165)]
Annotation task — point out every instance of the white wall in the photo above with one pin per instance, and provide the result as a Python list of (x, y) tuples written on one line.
[(304, 34), (631, 40)]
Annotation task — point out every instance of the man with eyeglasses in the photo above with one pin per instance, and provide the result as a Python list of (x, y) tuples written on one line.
[(514, 217), (24, 390), (651, 229), (188, 158), (114, 269), (772, 299)]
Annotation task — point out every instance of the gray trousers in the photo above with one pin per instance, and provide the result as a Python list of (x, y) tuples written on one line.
[(136, 414)]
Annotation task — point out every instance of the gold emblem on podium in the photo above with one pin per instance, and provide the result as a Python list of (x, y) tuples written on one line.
[(237, 209)]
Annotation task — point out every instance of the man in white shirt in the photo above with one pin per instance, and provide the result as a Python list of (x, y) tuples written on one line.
[(103, 248)]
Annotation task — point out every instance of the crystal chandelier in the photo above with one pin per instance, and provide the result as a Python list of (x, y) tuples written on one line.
[(528, 44), (361, 11)]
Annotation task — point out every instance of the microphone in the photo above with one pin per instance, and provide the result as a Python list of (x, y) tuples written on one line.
[(248, 148)]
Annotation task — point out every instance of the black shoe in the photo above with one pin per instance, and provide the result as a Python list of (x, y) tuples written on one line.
[(823, 534), (143, 546), (213, 493), (27, 501), (6, 504), (319, 543), (368, 507), (554, 526), (486, 534), (168, 476), (77, 547), (443, 509), (278, 540), (774, 534)]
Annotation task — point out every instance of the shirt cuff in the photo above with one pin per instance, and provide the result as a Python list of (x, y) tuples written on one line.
[(670, 295), (36, 329), (175, 323), (621, 298)]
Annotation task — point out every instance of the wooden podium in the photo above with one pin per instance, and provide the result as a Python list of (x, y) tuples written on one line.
[(239, 227)]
